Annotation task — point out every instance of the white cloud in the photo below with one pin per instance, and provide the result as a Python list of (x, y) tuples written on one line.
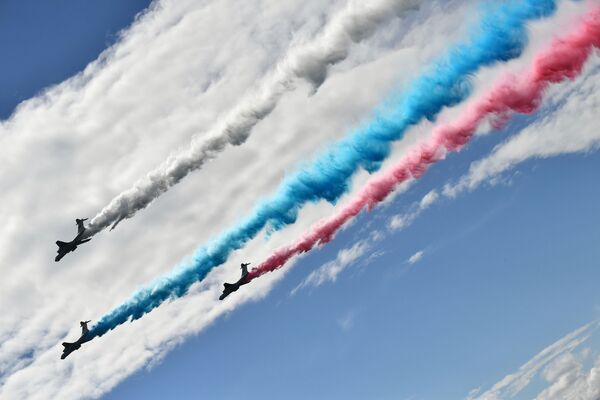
[(569, 126), (429, 199), (181, 67), (402, 221), (552, 361), (310, 61), (64, 154), (329, 272), (398, 222), (568, 379), (416, 257)]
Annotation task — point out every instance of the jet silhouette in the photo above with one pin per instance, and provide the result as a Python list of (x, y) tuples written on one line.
[(67, 247), (71, 347), (232, 287)]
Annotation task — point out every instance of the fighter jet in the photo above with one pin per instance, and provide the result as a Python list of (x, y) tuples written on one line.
[(232, 287), (71, 347), (67, 247)]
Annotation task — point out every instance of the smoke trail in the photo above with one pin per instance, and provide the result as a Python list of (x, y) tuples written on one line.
[(501, 35), (310, 61), (514, 93)]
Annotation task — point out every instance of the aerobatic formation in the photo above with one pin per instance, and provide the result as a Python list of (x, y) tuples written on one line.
[(499, 35)]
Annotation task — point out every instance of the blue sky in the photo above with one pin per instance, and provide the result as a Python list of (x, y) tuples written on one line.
[(45, 43), (499, 281), (507, 269)]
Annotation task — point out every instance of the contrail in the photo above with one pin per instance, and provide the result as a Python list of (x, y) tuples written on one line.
[(520, 93), (310, 61), (500, 36)]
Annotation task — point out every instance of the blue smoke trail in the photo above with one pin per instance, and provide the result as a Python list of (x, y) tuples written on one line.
[(500, 35)]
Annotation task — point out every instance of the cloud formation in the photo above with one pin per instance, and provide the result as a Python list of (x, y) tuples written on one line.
[(309, 61), (60, 160), (563, 60), (560, 368), (500, 35), (401, 221), (74, 127), (548, 137), (566, 126), (329, 271), (416, 257)]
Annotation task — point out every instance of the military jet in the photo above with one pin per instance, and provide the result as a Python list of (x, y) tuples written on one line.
[(71, 347), (232, 287), (67, 247)]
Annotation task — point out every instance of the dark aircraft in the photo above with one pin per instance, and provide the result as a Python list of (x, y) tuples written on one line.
[(232, 287), (71, 347), (67, 247)]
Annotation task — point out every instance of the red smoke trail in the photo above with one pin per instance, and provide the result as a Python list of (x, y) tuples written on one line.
[(520, 93)]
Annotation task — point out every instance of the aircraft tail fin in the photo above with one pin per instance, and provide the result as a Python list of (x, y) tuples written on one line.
[(61, 243), (80, 226)]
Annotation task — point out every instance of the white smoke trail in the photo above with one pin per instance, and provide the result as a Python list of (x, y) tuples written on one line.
[(309, 61)]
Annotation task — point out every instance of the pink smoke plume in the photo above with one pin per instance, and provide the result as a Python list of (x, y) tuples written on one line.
[(521, 93)]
